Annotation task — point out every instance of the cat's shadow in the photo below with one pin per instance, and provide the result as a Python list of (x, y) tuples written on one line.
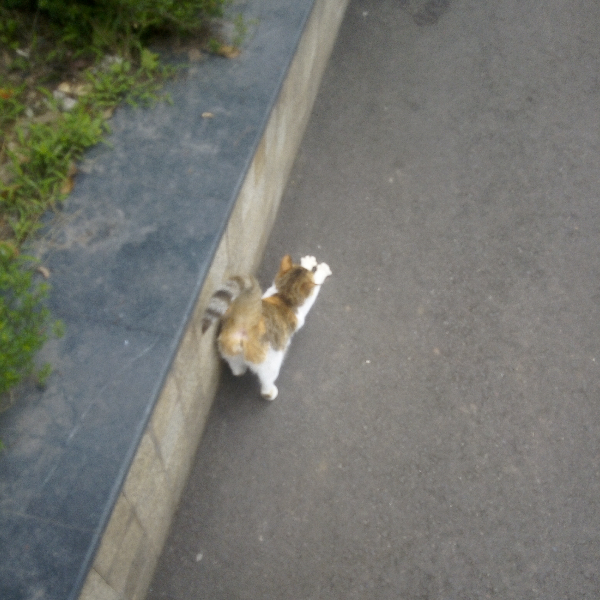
[(238, 397)]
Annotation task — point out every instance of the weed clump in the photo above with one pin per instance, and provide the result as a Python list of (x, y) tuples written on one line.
[(24, 320), (121, 26)]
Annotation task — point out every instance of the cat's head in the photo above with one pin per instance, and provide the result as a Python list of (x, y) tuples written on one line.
[(294, 282)]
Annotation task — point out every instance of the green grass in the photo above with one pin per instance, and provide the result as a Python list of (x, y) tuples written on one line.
[(24, 319), (64, 66), (40, 154)]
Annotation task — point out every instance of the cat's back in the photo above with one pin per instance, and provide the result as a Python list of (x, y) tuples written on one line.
[(279, 319), (294, 284)]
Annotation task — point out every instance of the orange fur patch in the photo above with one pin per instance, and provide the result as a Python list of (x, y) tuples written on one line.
[(286, 264), (251, 325), (280, 321)]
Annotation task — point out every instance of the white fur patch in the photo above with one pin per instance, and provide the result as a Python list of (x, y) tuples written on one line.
[(308, 262), (322, 273)]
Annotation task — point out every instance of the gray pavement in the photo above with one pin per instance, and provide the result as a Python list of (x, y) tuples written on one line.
[(437, 433)]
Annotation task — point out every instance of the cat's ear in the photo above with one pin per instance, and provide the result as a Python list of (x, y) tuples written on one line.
[(286, 264)]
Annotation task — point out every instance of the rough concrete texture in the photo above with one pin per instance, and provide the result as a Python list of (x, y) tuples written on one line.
[(437, 430)]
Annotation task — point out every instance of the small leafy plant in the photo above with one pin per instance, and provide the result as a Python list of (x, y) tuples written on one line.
[(25, 321)]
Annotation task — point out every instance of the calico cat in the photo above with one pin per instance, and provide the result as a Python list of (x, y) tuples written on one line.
[(255, 331)]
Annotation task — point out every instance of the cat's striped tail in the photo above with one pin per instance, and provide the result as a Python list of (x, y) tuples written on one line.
[(222, 299)]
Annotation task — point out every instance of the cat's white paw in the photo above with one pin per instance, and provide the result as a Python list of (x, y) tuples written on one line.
[(308, 262), (270, 394), (237, 371), (322, 273)]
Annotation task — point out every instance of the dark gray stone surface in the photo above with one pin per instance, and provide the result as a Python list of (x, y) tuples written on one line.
[(437, 430), (127, 261)]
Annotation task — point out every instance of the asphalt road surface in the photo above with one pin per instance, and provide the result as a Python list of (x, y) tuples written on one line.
[(437, 430)]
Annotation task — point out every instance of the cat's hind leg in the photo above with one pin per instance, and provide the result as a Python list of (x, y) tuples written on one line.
[(237, 364), (267, 373)]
